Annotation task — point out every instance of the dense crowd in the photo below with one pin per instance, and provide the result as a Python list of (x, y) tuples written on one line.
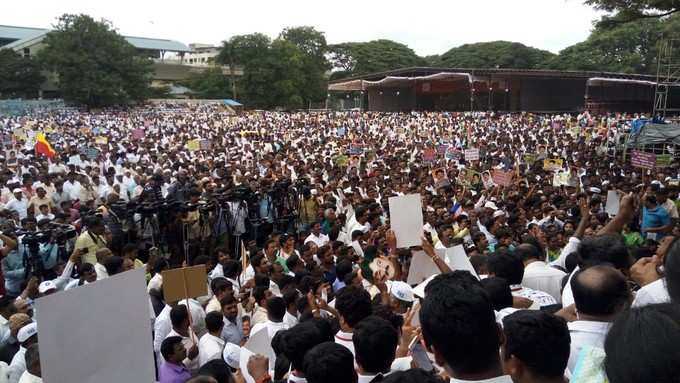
[(289, 213)]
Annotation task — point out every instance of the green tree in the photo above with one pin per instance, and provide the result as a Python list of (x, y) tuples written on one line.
[(629, 10), (249, 52), (500, 54), (629, 48), (373, 56), (96, 66), (312, 44), (210, 84), (20, 76)]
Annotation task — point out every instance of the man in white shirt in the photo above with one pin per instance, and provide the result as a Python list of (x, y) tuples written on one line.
[(211, 345), (510, 267), (276, 309), (317, 236), (456, 307), (353, 304), (33, 374), (19, 204), (375, 345), (600, 293), (179, 317), (536, 347), (537, 274), (27, 336), (72, 187)]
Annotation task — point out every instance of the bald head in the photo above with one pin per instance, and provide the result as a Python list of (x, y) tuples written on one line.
[(600, 291)]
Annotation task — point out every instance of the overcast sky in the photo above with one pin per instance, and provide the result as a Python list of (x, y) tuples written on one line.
[(427, 26)]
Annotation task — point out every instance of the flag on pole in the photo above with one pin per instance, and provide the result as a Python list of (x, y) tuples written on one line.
[(43, 147)]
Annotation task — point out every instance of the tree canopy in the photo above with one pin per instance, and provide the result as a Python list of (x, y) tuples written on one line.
[(629, 48), (287, 72), (20, 76), (96, 66), (500, 54), (373, 56), (628, 10)]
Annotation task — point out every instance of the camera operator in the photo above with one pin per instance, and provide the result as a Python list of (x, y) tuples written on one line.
[(180, 189), (152, 189), (92, 238), (12, 263), (113, 222)]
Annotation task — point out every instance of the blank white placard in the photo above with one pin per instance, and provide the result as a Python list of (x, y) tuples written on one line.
[(422, 267), (406, 219), (613, 202), (98, 333), (456, 258)]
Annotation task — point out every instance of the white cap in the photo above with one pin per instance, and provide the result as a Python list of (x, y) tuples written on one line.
[(498, 213), (46, 286), (402, 291), (490, 205), (26, 332), (595, 190), (232, 355), (16, 190)]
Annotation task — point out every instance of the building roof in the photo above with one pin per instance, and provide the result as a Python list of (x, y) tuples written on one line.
[(485, 72), (18, 33), (28, 36)]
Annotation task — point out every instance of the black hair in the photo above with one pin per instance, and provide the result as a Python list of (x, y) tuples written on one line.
[(354, 304), (329, 362), (261, 280), (276, 308), (600, 290), (642, 345), (538, 339), (672, 271), (129, 247), (375, 343), (259, 293), (227, 300), (214, 321), (200, 260), (290, 296), (414, 375), (292, 262), (160, 265), (256, 260), (217, 369), (218, 285), (178, 315), (506, 266), (298, 340), (456, 307), (527, 251), (113, 265), (231, 268), (168, 346), (479, 263), (499, 292), (606, 248), (342, 268)]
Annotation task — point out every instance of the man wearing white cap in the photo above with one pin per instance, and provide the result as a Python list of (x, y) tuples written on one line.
[(232, 355), (27, 336), (19, 204), (47, 288), (401, 296)]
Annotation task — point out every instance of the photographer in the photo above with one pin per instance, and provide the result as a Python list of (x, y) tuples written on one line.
[(12, 265), (92, 238)]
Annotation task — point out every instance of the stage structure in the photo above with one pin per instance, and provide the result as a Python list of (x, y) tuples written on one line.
[(455, 89)]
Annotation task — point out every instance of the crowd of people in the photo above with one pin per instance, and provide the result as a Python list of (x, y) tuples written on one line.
[(289, 213)]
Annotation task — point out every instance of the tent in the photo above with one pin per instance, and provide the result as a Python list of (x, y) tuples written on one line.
[(653, 134)]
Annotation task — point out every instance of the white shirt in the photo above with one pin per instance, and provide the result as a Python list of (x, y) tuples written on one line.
[(17, 366), (272, 328), (653, 293), (671, 208), (19, 206), (539, 276), (345, 339), (319, 240), (101, 271), (210, 347), (27, 377), (585, 333), (290, 320), (4, 330)]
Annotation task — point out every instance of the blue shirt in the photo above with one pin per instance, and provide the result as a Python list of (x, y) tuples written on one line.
[(173, 373), (232, 332), (656, 217)]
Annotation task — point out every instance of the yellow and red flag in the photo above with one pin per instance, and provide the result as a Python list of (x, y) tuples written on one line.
[(43, 147)]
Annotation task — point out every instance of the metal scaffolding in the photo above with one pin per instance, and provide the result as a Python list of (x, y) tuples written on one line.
[(667, 77)]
